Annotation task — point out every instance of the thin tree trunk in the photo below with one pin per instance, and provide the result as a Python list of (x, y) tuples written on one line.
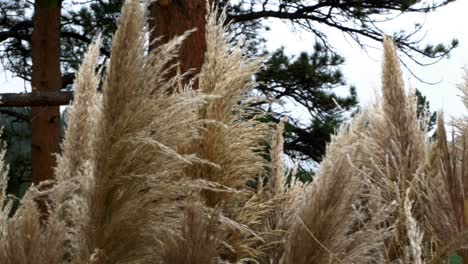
[(46, 76), (169, 18)]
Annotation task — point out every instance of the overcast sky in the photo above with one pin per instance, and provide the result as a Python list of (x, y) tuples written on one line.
[(362, 68)]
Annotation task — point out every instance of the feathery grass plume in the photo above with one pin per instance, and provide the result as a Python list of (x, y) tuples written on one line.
[(132, 191), (404, 166), (398, 127), (444, 191), (82, 117), (74, 170), (287, 197), (393, 151), (369, 166), (233, 139), (277, 172), (464, 160), (198, 242), (398, 159), (444, 198), (450, 196), (75, 166), (23, 237), (414, 233), (328, 228)]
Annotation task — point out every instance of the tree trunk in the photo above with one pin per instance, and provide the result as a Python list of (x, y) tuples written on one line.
[(169, 18), (46, 76)]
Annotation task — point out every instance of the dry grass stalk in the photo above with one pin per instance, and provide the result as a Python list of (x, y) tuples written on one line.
[(329, 226), (198, 242), (414, 233), (23, 237), (234, 140), (277, 180), (446, 193)]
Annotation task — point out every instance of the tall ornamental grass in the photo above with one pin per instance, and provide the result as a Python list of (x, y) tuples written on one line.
[(153, 171)]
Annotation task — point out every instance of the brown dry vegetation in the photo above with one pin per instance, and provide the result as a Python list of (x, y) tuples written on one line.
[(152, 171)]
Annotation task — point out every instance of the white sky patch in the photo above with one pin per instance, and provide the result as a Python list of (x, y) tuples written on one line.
[(10, 84), (362, 68)]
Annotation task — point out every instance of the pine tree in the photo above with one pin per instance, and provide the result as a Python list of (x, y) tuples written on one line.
[(307, 81)]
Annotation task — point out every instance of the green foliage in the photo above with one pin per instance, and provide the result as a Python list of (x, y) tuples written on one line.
[(309, 81), (15, 55), (424, 111), (82, 24), (455, 259), (303, 175), (17, 135), (49, 3)]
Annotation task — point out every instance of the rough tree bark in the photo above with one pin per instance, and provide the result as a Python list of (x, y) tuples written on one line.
[(36, 98), (46, 76), (170, 18)]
